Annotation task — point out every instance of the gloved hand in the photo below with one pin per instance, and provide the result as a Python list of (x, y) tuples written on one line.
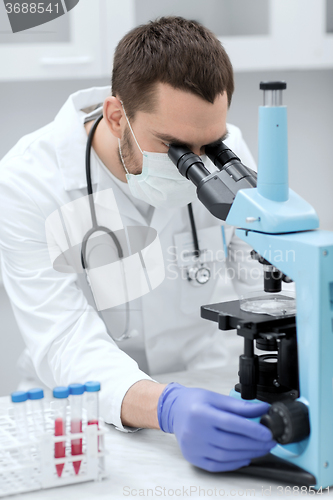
[(212, 430)]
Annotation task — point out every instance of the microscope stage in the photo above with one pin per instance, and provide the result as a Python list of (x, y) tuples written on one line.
[(229, 315)]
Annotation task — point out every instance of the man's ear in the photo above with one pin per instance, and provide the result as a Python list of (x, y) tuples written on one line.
[(114, 117)]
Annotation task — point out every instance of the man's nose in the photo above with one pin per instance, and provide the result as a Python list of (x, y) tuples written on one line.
[(198, 151)]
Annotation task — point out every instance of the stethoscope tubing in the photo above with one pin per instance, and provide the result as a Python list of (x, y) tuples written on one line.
[(96, 228)]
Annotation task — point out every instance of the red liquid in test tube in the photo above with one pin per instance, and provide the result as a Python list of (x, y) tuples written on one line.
[(92, 388), (59, 448), (93, 422), (76, 444), (60, 410), (76, 391)]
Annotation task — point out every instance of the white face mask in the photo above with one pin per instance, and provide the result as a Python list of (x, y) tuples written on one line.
[(160, 184)]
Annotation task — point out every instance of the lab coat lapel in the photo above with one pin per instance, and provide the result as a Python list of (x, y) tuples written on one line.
[(125, 205), (161, 217), (127, 209)]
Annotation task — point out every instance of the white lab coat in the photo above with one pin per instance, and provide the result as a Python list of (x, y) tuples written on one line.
[(65, 338)]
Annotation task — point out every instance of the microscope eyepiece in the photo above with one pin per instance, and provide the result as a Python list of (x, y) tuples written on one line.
[(189, 164), (220, 154), (225, 159), (216, 190), (176, 153)]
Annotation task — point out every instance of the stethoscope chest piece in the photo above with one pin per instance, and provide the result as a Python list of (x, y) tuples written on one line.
[(198, 274)]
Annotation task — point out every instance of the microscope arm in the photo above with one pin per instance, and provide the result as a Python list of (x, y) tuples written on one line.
[(216, 191)]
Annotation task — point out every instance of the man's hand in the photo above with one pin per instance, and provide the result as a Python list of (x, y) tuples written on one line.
[(212, 430)]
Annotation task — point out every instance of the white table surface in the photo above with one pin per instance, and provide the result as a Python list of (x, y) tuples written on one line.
[(149, 464)]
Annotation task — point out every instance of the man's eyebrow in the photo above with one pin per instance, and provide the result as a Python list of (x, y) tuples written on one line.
[(169, 139), (223, 138)]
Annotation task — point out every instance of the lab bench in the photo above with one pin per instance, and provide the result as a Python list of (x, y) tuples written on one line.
[(149, 464)]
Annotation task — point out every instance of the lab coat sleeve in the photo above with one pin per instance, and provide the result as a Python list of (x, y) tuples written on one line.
[(65, 337)]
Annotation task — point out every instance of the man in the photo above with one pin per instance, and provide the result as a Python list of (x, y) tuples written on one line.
[(172, 82)]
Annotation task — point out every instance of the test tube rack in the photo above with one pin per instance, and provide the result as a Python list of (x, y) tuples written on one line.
[(30, 464)]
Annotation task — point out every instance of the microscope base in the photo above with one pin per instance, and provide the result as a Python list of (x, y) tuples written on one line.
[(277, 469)]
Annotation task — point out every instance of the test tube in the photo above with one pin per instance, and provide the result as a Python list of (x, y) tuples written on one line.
[(36, 397), (60, 411), (92, 388), (76, 392), (19, 399)]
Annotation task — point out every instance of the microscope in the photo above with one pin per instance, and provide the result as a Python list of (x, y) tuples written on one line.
[(295, 375)]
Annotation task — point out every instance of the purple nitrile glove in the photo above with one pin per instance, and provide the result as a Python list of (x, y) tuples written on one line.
[(212, 430)]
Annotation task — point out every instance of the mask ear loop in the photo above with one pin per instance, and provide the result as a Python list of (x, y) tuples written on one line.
[(119, 146), (131, 127)]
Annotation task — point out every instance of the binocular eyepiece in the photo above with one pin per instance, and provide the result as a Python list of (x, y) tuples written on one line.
[(215, 190), (219, 154)]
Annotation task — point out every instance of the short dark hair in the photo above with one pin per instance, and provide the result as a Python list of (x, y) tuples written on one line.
[(172, 50)]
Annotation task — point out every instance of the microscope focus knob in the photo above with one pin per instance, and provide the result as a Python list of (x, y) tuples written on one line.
[(288, 421)]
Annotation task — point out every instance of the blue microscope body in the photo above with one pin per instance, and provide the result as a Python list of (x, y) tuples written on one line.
[(282, 228), (273, 219)]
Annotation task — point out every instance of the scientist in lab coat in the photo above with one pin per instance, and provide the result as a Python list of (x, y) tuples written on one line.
[(172, 82)]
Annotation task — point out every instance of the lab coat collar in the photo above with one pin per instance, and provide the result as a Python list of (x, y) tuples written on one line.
[(71, 138)]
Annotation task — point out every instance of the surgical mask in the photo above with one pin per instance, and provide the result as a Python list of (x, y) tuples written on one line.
[(160, 184)]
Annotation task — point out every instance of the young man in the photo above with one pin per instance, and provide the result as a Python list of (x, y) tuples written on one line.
[(172, 82)]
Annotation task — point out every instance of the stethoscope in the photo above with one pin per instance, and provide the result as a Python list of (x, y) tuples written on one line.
[(197, 273), (97, 228)]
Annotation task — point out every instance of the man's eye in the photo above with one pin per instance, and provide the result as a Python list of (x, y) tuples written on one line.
[(213, 144), (216, 143)]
